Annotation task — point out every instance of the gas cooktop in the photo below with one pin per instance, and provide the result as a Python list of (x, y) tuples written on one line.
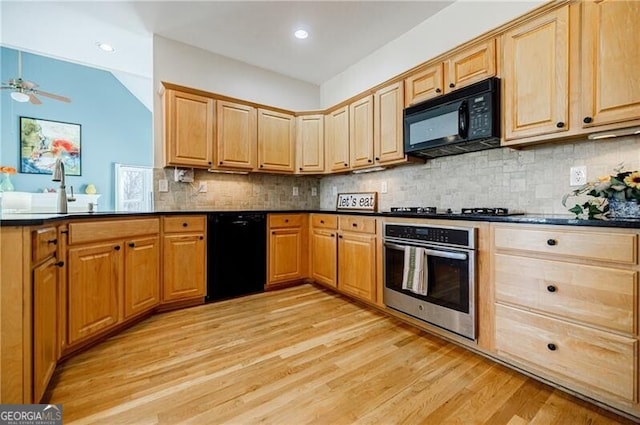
[(431, 211)]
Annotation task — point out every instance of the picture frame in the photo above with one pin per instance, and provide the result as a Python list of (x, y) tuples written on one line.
[(43, 141)]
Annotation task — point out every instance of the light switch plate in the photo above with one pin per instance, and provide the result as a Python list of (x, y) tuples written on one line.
[(384, 187), (163, 185), (314, 191), (295, 190)]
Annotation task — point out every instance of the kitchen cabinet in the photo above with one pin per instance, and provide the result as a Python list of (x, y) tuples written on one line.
[(567, 307), (236, 136), (103, 270), (286, 248), (536, 77), (468, 66), (184, 258), (310, 144), (361, 132), (337, 139), (142, 274), (610, 62), (324, 249), (388, 142), (45, 308), (188, 131), (276, 141), (357, 242)]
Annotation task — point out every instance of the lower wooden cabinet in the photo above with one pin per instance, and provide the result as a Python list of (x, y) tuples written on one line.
[(184, 258), (287, 248), (356, 264), (45, 325), (324, 249), (142, 276), (95, 276)]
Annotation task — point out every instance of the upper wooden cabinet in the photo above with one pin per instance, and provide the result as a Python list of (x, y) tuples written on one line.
[(536, 76), (610, 62), (276, 141), (361, 132), (310, 144), (188, 131), (235, 136), (388, 142), (468, 66), (337, 139)]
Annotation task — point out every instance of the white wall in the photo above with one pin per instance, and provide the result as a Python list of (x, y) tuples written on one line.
[(452, 26), (189, 66)]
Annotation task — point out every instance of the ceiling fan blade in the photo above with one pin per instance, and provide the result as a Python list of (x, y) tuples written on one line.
[(52, 96), (33, 99), (5, 87)]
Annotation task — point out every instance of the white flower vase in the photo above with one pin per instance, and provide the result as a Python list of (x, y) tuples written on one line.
[(6, 185), (623, 209)]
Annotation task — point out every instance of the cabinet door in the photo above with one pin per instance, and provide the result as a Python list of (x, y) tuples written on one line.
[(285, 255), (142, 275), (184, 266), (310, 143), (388, 143), (276, 141), (610, 62), (95, 276), (188, 129), (356, 264), (536, 76), (423, 85), (324, 256), (236, 133), (470, 66), (361, 132), (337, 139), (45, 325)]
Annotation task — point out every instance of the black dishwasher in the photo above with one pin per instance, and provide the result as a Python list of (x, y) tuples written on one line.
[(236, 254)]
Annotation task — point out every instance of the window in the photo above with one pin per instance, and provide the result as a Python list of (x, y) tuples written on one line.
[(134, 188)]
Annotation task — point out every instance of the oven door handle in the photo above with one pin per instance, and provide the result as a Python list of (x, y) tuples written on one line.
[(444, 254)]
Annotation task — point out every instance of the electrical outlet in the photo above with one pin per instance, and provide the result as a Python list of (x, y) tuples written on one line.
[(384, 187), (295, 190), (578, 175), (314, 191), (163, 185), (202, 187), (184, 175)]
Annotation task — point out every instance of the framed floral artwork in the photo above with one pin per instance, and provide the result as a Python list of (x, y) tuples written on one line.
[(42, 142)]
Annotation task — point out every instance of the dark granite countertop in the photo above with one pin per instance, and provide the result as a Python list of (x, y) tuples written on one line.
[(26, 219)]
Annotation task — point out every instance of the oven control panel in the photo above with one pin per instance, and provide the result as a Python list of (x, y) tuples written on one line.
[(444, 235)]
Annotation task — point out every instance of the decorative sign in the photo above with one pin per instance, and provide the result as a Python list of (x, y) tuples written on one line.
[(357, 201)]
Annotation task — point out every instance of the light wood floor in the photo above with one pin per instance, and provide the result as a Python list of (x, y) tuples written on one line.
[(296, 356)]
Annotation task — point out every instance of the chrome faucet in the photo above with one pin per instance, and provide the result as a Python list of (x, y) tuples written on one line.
[(58, 176)]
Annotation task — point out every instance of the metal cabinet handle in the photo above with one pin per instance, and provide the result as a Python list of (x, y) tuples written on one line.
[(117, 247), (66, 232), (132, 245), (52, 241), (300, 168), (552, 288), (369, 160), (552, 347), (438, 91), (451, 85), (261, 165), (551, 242), (354, 224), (221, 162), (286, 220), (587, 120), (332, 235), (59, 264), (185, 224), (560, 124), (201, 237), (346, 165), (377, 158), (340, 236)]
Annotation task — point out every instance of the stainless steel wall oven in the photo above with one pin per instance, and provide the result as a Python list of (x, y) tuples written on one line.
[(444, 293)]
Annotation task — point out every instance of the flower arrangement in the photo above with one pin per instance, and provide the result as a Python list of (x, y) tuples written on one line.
[(7, 170), (622, 186)]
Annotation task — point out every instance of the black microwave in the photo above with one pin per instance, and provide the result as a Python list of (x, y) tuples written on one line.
[(465, 120)]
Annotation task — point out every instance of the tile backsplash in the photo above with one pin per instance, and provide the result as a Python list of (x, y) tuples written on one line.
[(532, 180), (235, 192)]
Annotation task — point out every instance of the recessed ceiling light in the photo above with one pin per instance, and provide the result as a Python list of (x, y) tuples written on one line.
[(105, 47), (301, 34)]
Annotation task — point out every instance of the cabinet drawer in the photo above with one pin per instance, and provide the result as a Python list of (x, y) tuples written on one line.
[(615, 247), (91, 231), (599, 296), (325, 221), (45, 242), (184, 223), (285, 220), (590, 359), (358, 224)]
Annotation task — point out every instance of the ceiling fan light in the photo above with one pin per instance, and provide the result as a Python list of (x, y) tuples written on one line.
[(18, 96)]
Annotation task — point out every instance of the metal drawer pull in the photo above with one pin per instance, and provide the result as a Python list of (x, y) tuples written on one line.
[(551, 288), (59, 264), (552, 347), (551, 242), (53, 241), (132, 245), (184, 224), (117, 247)]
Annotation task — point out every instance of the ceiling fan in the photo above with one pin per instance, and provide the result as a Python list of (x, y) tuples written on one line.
[(26, 91)]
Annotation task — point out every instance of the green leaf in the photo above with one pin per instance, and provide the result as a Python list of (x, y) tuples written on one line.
[(577, 210)]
